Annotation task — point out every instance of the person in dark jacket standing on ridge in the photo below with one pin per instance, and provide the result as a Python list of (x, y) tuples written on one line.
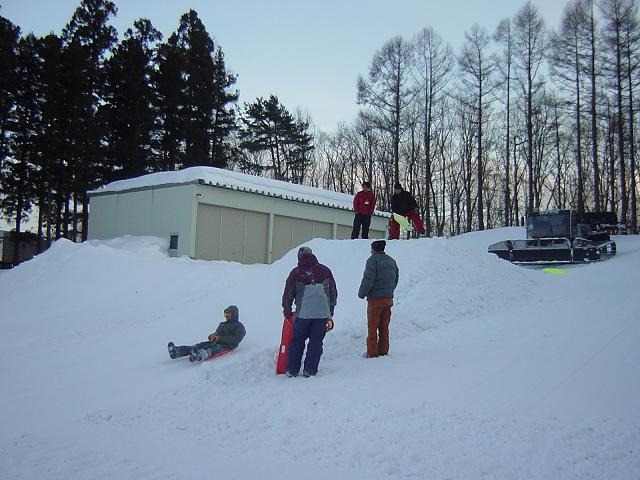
[(364, 204), (379, 281), (227, 337), (312, 287), (403, 203)]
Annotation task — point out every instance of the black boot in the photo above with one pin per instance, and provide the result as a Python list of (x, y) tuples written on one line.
[(178, 351)]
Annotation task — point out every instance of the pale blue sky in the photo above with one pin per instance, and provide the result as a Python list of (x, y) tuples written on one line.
[(308, 53)]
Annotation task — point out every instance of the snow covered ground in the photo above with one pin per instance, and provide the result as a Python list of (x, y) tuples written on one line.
[(495, 372)]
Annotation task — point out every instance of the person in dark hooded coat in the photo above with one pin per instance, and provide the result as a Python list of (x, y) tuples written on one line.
[(403, 203), (313, 289), (227, 337)]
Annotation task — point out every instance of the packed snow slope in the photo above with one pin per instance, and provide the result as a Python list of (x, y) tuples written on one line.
[(495, 371)]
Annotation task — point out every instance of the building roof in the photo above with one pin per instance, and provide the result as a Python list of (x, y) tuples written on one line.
[(235, 181)]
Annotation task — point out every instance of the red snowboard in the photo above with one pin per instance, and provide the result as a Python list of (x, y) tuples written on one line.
[(283, 353)]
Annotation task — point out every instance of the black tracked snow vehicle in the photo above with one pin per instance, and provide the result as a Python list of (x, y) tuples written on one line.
[(558, 236)]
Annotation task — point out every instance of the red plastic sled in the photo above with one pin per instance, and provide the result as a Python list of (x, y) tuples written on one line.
[(224, 352), (283, 352)]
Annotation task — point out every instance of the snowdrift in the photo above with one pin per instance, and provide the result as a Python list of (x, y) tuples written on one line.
[(495, 371)]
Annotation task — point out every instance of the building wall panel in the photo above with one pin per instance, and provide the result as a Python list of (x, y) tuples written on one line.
[(103, 218), (232, 237), (134, 213), (207, 246), (343, 232), (159, 212), (322, 230), (302, 231), (282, 237), (256, 238), (174, 212)]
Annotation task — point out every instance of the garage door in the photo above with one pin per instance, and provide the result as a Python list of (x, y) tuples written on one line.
[(231, 234)]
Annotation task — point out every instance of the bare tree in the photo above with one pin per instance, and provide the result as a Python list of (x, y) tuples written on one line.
[(444, 146), (388, 91), (477, 69), (530, 41), (569, 65), (433, 66), (559, 191), (632, 67), (591, 34), (504, 36), (617, 14)]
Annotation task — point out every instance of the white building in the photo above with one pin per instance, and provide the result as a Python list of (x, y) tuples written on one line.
[(214, 214)]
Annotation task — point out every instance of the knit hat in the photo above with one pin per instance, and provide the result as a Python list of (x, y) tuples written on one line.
[(378, 245), (302, 251), (397, 186)]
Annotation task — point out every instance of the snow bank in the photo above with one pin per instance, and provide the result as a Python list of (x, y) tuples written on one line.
[(495, 371)]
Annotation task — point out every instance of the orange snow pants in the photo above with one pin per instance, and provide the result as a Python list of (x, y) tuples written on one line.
[(378, 316)]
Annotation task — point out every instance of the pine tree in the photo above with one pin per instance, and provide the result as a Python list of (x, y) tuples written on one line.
[(269, 128), (169, 87), (224, 115), (18, 192), (79, 170), (206, 118), (129, 115), (89, 34), (9, 35), (197, 48), (51, 177)]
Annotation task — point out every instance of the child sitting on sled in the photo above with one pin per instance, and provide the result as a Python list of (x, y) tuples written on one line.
[(227, 337)]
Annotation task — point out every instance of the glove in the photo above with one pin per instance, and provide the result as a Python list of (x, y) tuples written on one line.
[(329, 324)]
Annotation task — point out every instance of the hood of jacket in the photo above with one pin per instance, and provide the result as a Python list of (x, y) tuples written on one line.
[(235, 314), (307, 260)]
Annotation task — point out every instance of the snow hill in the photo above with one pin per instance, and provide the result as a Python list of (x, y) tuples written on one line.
[(495, 371)]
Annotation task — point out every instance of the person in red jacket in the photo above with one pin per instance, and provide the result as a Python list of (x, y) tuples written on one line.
[(364, 203)]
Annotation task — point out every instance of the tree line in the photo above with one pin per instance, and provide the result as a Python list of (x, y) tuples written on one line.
[(81, 109), (520, 118)]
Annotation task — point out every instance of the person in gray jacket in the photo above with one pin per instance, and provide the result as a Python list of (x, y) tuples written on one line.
[(379, 281), (227, 337)]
